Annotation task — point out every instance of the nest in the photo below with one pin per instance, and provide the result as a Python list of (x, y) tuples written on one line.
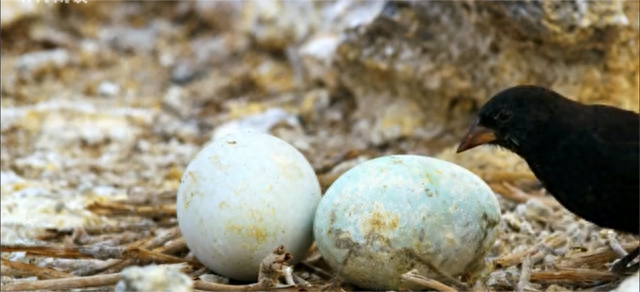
[(529, 256)]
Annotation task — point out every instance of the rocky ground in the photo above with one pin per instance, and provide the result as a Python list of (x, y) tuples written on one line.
[(105, 103)]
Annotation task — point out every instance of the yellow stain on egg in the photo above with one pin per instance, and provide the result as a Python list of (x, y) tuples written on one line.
[(257, 233), (215, 159), (190, 193), (240, 189), (253, 231), (233, 228), (287, 167), (186, 200), (380, 222)]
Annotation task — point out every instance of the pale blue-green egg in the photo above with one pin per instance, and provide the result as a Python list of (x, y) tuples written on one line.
[(392, 214), (242, 196)]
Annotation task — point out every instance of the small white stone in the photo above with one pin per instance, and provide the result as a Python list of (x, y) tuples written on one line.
[(259, 123), (108, 89), (153, 278)]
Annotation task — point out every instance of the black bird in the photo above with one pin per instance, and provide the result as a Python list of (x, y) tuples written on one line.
[(586, 156)]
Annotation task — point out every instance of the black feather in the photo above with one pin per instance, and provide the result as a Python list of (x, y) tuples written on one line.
[(586, 156)]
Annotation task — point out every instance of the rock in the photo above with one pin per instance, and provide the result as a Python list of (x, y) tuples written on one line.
[(153, 278), (534, 210), (92, 54), (314, 106), (278, 24), (218, 49), (504, 279), (275, 25), (261, 123), (272, 24), (108, 89), (127, 39), (207, 53), (29, 206), (33, 63), (443, 59), (185, 71), (213, 278), (565, 23), (272, 77), (14, 11), (175, 98), (51, 35), (317, 59), (220, 14)]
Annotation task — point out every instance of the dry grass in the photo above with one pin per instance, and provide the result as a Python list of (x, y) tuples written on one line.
[(164, 245)]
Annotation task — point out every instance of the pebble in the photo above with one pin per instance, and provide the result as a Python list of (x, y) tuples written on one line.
[(129, 39), (184, 72), (213, 278), (261, 123), (153, 278), (108, 89), (13, 11), (35, 61)]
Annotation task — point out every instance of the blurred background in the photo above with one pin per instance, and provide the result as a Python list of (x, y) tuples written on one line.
[(103, 99)]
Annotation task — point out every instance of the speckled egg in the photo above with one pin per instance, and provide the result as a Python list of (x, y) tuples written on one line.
[(389, 215), (243, 195)]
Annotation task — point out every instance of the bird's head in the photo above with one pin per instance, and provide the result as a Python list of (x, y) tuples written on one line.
[(513, 118)]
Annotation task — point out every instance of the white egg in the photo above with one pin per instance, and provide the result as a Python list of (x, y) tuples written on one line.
[(392, 214), (243, 195)]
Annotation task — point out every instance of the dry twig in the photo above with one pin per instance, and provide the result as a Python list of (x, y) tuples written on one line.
[(174, 247), (40, 272), (517, 195), (595, 258), (573, 276), (525, 274), (98, 252), (537, 252), (115, 265), (122, 209), (45, 251), (614, 244), (208, 286), (415, 278), (62, 284), (506, 176), (100, 229)]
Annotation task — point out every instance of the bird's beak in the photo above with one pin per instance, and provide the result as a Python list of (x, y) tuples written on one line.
[(476, 136)]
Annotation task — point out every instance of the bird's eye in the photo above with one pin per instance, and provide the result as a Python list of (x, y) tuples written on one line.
[(503, 116)]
